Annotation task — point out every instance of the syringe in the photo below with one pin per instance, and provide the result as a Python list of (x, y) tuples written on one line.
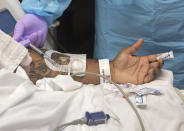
[(41, 53)]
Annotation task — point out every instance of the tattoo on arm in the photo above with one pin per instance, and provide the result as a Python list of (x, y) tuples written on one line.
[(38, 68)]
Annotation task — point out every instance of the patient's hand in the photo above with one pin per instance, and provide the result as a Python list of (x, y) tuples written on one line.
[(127, 68)]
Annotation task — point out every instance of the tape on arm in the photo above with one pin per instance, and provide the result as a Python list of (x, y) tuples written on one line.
[(69, 63)]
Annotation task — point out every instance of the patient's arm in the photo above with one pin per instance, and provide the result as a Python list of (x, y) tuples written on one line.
[(125, 68), (39, 70)]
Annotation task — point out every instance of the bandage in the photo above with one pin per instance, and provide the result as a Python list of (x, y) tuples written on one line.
[(104, 70), (73, 63), (167, 55), (12, 54)]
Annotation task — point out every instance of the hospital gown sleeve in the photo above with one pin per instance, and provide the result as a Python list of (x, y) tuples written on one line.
[(49, 9)]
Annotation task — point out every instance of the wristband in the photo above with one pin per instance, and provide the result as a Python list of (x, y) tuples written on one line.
[(104, 70)]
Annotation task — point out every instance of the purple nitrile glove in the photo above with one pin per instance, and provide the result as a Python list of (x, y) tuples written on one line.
[(31, 28)]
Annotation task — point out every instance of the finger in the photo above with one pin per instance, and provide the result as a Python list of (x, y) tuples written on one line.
[(42, 39), (150, 76), (33, 38), (39, 39), (25, 43), (142, 73), (133, 48), (153, 58), (155, 66), (161, 63), (36, 38), (18, 31), (146, 79)]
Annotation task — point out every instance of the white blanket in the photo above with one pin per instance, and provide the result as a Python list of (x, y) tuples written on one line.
[(24, 107)]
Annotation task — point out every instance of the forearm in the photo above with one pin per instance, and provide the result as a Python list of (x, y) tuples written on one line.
[(91, 66), (39, 70)]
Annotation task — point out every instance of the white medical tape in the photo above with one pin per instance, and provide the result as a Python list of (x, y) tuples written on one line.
[(77, 62)]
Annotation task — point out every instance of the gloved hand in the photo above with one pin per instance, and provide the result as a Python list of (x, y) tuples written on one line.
[(31, 29)]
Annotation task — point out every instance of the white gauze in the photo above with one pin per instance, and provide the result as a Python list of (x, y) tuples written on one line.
[(12, 54)]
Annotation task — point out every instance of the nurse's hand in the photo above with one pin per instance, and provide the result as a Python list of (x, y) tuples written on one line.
[(127, 68), (31, 29)]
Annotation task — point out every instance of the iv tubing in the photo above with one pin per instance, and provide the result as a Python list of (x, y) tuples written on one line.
[(117, 86), (122, 92)]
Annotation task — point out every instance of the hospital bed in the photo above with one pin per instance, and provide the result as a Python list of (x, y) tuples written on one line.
[(52, 102)]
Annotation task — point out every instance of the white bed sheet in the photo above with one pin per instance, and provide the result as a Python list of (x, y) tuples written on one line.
[(24, 107)]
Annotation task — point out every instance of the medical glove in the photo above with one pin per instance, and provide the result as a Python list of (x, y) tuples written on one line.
[(32, 28)]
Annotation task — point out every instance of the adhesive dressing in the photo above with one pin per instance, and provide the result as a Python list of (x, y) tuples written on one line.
[(66, 62)]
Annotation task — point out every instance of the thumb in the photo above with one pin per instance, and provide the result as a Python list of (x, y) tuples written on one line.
[(18, 31), (133, 48), (25, 43)]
